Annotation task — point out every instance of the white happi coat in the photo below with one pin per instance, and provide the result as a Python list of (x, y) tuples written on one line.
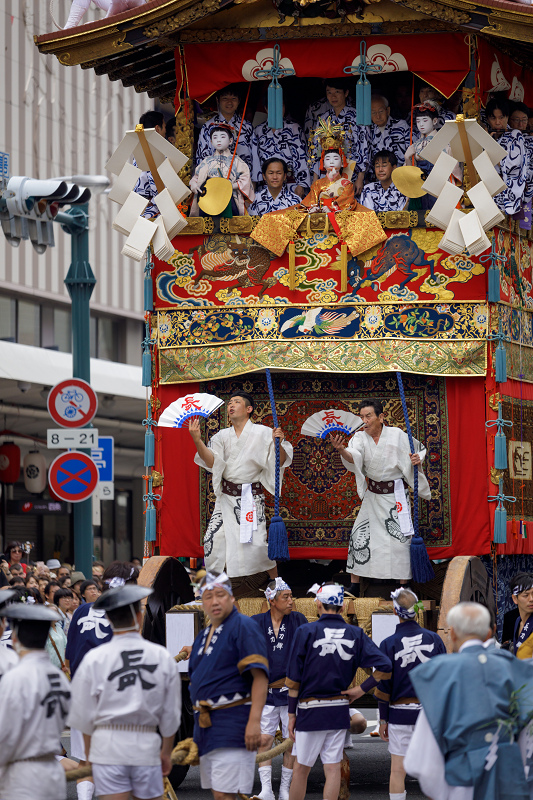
[(34, 706), (121, 692), (246, 459), (8, 659), (378, 548)]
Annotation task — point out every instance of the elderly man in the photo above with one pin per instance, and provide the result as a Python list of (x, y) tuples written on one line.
[(474, 704), (380, 457), (324, 658), (279, 624), (387, 133), (228, 669)]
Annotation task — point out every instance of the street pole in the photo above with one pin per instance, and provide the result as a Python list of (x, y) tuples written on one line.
[(80, 282)]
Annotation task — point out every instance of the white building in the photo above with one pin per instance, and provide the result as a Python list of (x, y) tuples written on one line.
[(60, 122)]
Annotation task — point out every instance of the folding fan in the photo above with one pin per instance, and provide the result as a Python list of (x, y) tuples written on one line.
[(325, 422), (198, 404)]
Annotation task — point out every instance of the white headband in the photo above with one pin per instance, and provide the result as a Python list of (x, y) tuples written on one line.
[(404, 613), (211, 580), (280, 586), (332, 594), (114, 583)]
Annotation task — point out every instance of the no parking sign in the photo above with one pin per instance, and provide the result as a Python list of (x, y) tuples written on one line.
[(73, 476)]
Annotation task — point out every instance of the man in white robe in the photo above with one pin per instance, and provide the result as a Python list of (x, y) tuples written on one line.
[(383, 464), (35, 703), (126, 700), (8, 657), (241, 459)]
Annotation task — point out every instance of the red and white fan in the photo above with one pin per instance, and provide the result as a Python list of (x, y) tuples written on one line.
[(331, 420), (198, 404)]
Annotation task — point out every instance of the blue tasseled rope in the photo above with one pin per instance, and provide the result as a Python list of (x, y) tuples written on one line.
[(278, 543), (420, 563)]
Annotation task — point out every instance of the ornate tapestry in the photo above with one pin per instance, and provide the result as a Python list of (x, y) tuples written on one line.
[(319, 499), (518, 478)]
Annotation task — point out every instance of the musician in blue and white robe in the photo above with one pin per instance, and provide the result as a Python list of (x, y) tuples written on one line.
[(279, 625), (387, 133), (275, 195), (514, 168), (522, 593), (289, 144), (409, 646), (228, 668), (382, 195), (318, 109), (228, 103), (324, 658)]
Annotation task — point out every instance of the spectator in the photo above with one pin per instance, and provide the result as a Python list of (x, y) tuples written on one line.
[(77, 579), (98, 570), (286, 144), (17, 571), (382, 195), (63, 601), (31, 583), (49, 591), (387, 133), (228, 102), (13, 554), (75, 601), (53, 565), (42, 584), (16, 581), (65, 582), (275, 195), (136, 562), (64, 571), (89, 591), (514, 168)]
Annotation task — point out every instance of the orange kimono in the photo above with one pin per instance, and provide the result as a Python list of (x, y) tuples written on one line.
[(332, 195)]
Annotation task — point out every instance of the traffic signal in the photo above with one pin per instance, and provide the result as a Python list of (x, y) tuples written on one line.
[(28, 208)]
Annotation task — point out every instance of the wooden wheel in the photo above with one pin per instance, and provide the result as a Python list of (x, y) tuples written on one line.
[(171, 584), (466, 580)]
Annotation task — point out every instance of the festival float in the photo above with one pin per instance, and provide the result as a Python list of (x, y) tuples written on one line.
[(334, 306)]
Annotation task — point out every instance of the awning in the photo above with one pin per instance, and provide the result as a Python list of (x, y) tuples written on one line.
[(439, 59), (19, 362), (499, 73)]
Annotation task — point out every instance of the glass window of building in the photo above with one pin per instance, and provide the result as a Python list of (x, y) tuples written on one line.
[(93, 326), (107, 339), (8, 317), (62, 330), (28, 323)]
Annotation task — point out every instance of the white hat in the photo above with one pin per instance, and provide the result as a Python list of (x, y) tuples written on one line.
[(53, 563)]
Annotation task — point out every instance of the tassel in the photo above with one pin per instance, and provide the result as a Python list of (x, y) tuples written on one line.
[(146, 368), (500, 451), (523, 529), (501, 364), (367, 94), (275, 106), (359, 101), (420, 563), (149, 534), (494, 285), (278, 541), (148, 293), (514, 526), (500, 525), (149, 449), (292, 265), (344, 267)]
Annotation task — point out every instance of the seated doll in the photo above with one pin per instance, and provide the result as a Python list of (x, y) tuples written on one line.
[(335, 191), (218, 166)]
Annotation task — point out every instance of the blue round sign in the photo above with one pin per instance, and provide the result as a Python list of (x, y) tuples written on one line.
[(73, 476)]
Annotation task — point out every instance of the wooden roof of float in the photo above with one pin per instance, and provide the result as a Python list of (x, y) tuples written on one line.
[(137, 46)]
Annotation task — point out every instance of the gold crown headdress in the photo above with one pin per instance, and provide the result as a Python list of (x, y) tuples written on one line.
[(328, 135)]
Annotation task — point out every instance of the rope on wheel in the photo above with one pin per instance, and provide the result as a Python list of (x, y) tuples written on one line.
[(186, 754)]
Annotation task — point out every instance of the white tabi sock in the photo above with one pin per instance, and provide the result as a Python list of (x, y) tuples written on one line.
[(85, 790), (265, 776), (398, 796), (285, 783)]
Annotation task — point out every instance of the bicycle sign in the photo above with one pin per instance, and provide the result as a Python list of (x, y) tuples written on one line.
[(72, 403)]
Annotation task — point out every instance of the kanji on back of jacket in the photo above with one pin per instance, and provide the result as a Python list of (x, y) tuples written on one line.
[(332, 296)]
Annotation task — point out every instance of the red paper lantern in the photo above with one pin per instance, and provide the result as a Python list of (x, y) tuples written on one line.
[(9, 462)]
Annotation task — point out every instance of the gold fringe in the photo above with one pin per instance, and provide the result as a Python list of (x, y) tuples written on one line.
[(344, 267), (292, 265)]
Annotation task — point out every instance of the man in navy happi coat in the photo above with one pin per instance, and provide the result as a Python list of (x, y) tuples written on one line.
[(409, 646), (475, 702), (228, 669), (324, 658), (279, 626)]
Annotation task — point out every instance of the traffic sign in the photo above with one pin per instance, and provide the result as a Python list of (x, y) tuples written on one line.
[(72, 403), (103, 458), (61, 439), (73, 476)]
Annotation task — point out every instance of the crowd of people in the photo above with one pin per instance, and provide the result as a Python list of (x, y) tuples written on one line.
[(274, 169)]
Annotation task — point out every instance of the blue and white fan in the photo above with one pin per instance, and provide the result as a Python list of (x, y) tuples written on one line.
[(198, 404), (331, 420)]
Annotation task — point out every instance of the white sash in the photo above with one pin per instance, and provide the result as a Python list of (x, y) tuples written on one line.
[(248, 514), (402, 507)]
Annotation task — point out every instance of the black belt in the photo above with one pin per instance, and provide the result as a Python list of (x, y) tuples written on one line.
[(382, 487), (235, 489)]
